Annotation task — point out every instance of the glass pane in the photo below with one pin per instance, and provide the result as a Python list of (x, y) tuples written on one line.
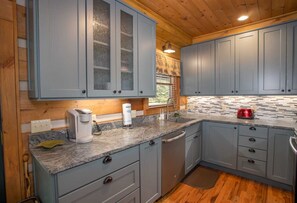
[(162, 95), (126, 51), (101, 45)]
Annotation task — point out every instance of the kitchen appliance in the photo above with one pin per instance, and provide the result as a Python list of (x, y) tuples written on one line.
[(79, 125), (127, 117), (245, 113), (173, 160), (293, 144)]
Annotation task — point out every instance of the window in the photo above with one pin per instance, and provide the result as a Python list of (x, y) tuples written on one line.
[(165, 90)]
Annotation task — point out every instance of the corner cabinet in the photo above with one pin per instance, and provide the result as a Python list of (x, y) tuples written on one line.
[(93, 48), (292, 58)]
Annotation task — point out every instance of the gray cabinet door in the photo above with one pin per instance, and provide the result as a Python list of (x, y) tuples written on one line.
[(189, 164), (206, 68), (292, 58), (225, 70), (272, 60), (146, 57), (62, 48), (189, 62), (246, 63), (220, 144), (197, 148), (280, 156), (150, 170)]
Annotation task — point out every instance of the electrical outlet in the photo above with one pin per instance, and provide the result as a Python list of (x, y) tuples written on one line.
[(133, 114), (41, 125), (94, 118)]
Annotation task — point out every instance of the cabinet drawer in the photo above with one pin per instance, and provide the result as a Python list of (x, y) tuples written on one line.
[(253, 131), (74, 178), (110, 188), (252, 166), (131, 198), (253, 142), (193, 129), (252, 153)]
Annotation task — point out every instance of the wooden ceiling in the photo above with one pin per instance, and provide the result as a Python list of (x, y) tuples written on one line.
[(200, 17)]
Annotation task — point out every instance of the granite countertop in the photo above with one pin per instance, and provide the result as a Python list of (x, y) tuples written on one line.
[(71, 154)]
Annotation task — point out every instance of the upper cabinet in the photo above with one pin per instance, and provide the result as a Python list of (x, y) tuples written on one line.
[(272, 60), (292, 58), (107, 56)]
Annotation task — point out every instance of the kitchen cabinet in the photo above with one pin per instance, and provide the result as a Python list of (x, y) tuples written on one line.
[(272, 60), (220, 144), (56, 33), (225, 67), (246, 63), (193, 151), (150, 170), (292, 58), (280, 161)]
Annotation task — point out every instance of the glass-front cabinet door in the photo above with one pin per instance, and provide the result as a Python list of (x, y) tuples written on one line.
[(126, 50), (101, 48)]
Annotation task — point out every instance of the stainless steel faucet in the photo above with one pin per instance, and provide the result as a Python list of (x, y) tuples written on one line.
[(167, 112)]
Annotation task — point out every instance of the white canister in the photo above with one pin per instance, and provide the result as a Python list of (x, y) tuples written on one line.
[(127, 117)]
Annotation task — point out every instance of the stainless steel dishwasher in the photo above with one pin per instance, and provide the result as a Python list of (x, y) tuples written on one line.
[(173, 160)]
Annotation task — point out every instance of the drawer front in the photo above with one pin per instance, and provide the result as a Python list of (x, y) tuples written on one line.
[(253, 142), (193, 129), (111, 188), (252, 153), (74, 178), (253, 131), (252, 166), (131, 198)]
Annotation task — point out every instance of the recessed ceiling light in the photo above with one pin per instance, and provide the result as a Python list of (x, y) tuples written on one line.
[(242, 18)]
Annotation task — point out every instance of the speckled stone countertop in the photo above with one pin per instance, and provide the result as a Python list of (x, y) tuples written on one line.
[(71, 154)]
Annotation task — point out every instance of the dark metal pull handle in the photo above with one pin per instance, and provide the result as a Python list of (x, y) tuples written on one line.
[(252, 150), (235, 128), (152, 142), (232, 91), (107, 159), (107, 180), (252, 139), (251, 161), (289, 90), (199, 92), (283, 90), (252, 128), (196, 92), (84, 91), (195, 136), (236, 91), (141, 92), (119, 91), (114, 91)]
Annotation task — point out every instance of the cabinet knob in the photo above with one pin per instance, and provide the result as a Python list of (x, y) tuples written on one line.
[(289, 90), (196, 92), (232, 91), (236, 91), (235, 128), (114, 91), (83, 91), (251, 161), (120, 91), (252, 128), (252, 150), (195, 136), (283, 90), (199, 92), (107, 180), (152, 142), (107, 159), (252, 139), (141, 92)]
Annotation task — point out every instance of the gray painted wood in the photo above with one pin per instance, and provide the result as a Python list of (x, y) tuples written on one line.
[(150, 170), (189, 64), (253, 131), (220, 144), (197, 152), (252, 142), (124, 181), (193, 129), (280, 156), (133, 197), (246, 63), (72, 179), (134, 91), (61, 48), (108, 91), (225, 69), (146, 57), (189, 163), (252, 166), (292, 58), (272, 60), (206, 68), (252, 153)]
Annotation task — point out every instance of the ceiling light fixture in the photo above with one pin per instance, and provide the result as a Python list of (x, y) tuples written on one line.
[(167, 48), (242, 18)]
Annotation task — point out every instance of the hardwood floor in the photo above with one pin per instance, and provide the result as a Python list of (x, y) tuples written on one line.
[(229, 189)]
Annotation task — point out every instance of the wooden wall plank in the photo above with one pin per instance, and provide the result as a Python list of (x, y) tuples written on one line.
[(6, 10), (23, 70), (21, 21)]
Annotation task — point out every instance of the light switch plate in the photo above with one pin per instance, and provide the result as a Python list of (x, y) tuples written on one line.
[(94, 118), (133, 113), (41, 125)]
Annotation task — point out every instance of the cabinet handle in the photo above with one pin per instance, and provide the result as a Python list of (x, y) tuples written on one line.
[(232, 91), (236, 91), (107, 159), (199, 92), (84, 91), (114, 91), (252, 128), (252, 150), (283, 90), (195, 136), (196, 92), (107, 180), (152, 142), (141, 92), (289, 90), (251, 161), (120, 91), (252, 139), (235, 128)]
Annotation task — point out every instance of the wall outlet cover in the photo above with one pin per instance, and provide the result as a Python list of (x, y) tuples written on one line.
[(41, 125), (133, 113), (94, 117)]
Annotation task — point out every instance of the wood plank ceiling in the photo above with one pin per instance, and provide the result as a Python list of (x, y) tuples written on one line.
[(199, 17)]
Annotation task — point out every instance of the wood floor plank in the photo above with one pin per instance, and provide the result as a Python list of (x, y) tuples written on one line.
[(228, 189)]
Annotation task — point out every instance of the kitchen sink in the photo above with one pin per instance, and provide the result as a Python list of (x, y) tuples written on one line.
[(180, 119)]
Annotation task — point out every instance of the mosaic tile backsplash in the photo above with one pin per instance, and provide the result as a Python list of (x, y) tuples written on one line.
[(267, 107)]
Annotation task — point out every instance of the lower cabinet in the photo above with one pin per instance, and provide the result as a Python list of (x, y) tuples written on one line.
[(280, 161), (193, 151), (220, 144), (150, 170)]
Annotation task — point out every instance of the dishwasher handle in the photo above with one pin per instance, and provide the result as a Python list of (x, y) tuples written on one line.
[(291, 143), (174, 138)]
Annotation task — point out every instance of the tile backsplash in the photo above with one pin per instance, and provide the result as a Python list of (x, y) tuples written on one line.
[(268, 107)]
